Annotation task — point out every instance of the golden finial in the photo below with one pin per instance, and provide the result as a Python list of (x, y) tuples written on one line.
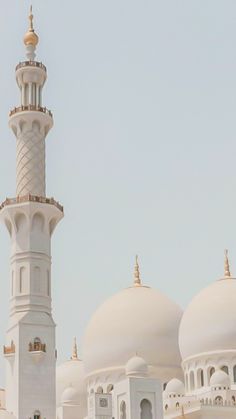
[(31, 38), (74, 350), (137, 280), (227, 273)]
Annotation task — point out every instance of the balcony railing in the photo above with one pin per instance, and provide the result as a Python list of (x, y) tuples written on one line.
[(37, 347), (31, 198), (9, 350), (31, 64), (30, 108)]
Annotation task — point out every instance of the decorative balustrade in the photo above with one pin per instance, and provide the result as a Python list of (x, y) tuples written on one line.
[(37, 346), (31, 64), (194, 405), (9, 350), (30, 108), (220, 403), (31, 198)]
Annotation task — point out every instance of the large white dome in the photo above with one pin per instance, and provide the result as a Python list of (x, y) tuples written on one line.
[(138, 320), (208, 323)]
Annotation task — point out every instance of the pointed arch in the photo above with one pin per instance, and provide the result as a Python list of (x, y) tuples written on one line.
[(123, 410), (146, 409), (191, 380)]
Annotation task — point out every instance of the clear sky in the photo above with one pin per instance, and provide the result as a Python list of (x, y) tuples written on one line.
[(143, 151)]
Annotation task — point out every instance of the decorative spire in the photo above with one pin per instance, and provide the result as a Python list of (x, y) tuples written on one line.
[(74, 350), (137, 280), (227, 273), (31, 17), (31, 39)]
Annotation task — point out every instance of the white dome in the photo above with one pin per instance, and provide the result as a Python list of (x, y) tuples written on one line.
[(137, 367), (139, 320), (208, 323), (220, 378), (71, 374), (175, 386), (70, 396)]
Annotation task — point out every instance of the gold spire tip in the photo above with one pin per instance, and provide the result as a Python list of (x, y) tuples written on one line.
[(31, 38), (31, 17), (74, 350), (137, 280), (227, 273)]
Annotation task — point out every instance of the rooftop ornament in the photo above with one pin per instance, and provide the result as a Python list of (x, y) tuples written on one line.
[(137, 279), (227, 274)]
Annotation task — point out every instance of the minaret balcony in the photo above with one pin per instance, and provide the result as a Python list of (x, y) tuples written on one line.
[(37, 347), (31, 64), (31, 198), (37, 350), (9, 351), (30, 108)]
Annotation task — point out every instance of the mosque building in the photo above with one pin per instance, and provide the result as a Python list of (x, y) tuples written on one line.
[(143, 358)]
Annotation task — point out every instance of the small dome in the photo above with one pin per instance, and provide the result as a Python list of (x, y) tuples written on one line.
[(220, 378), (136, 367), (70, 396), (71, 374), (175, 386)]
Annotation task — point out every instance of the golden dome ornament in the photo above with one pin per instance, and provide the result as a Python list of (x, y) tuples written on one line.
[(31, 38)]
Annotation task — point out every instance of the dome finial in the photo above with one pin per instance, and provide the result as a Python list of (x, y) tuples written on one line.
[(74, 350), (137, 280), (31, 39), (227, 273), (31, 17)]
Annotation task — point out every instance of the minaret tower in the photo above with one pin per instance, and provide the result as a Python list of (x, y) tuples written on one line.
[(30, 219)]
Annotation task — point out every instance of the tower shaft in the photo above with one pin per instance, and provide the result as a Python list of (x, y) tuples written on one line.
[(30, 218)]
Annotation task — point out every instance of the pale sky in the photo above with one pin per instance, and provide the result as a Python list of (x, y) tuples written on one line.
[(143, 151)]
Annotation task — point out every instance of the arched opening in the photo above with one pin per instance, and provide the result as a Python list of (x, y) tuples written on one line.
[(191, 380), (37, 414), (234, 372), (211, 371), (36, 280), (233, 399), (164, 386), (110, 388), (225, 369), (20, 222), (166, 406), (100, 390), (186, 382), (219, 400), (123, 410), (38, 222), (177, 405), (146, 409), (23, 279), (37, 345), (200, 378)]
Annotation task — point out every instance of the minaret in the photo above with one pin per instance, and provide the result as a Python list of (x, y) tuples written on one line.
[(30, 219)]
